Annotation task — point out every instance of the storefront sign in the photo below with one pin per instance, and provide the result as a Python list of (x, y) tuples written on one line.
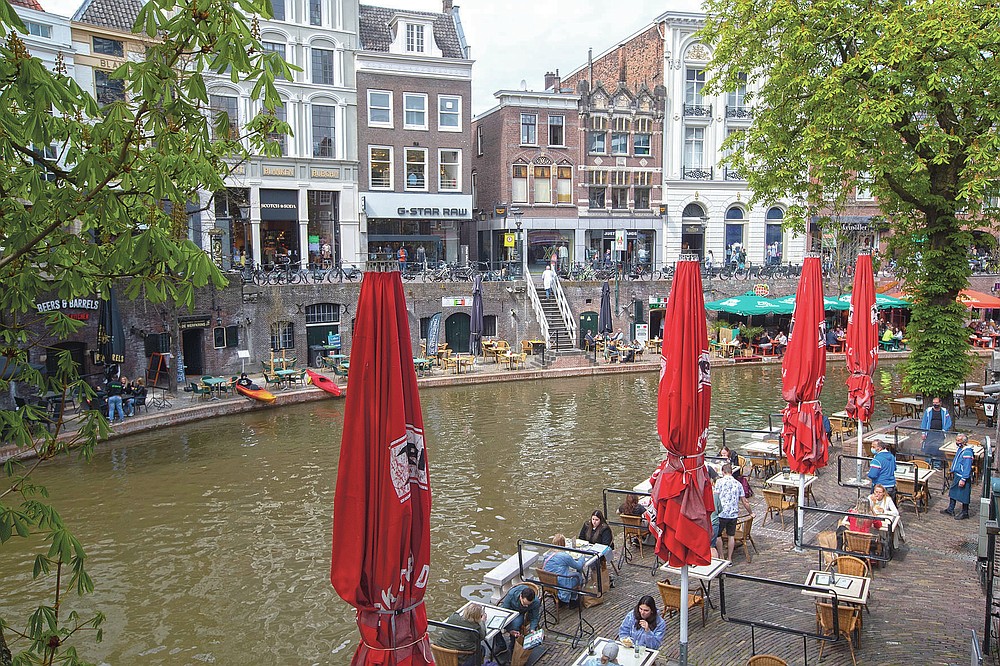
[(200, 322), (73, 304), (657, 302), (433, 212), (415, 206), (620, 240), (279, 204), (642, 333), (509, 240), (278, 171), (456, 302), (325, 173)]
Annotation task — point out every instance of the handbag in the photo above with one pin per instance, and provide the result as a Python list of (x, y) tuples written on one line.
[(533, 638)]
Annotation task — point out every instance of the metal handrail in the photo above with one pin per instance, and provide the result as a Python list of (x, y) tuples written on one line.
[(567, 315), (536, 305)]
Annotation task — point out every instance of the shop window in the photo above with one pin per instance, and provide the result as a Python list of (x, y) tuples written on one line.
[(519, 183), (450, 162), (282, 335), (380, 167), (416, 169), (543, 184)]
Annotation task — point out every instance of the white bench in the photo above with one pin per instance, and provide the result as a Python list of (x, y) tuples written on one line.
[(507, 574)]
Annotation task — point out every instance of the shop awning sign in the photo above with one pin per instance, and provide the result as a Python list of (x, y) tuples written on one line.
[(456, 302)]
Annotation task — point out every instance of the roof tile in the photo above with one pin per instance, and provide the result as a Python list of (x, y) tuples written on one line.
[(375, 35)]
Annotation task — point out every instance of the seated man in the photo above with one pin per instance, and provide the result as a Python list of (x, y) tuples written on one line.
[(522, 598)]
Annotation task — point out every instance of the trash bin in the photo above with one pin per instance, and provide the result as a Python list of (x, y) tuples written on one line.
[(315, 351), (990, 407)]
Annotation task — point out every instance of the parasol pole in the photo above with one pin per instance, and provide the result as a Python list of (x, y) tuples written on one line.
[(684, 617), (861, 427)]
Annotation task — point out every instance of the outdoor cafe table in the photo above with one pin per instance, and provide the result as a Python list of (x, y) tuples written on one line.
[(764, 448), (790, 484), (627, 656), (422, 365), (537, 346), (703, 574), (497, 619), (461, 361), (913, 404), (286, 375), (849, 589), (888, 524), (216, 385), (923, 476)]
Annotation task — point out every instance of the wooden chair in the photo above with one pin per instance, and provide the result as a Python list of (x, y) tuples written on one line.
[(634, 530), (863, 544), (980, 414), (777, 504), (898, 411), (969, 404), (766, 660), (500, 348), (920, 464), (671, 595), (525, 347), (518, 360), (908, 491), (850, 566), (848, 620), (828, 540), (745, 466), (761, 465), (744, 525), (549, 589), (447, 657)]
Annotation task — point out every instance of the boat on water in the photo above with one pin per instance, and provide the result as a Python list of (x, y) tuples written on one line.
[(325, 383), (255, 392)]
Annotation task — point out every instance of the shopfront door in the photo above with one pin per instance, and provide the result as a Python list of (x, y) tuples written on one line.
[(456, 332)]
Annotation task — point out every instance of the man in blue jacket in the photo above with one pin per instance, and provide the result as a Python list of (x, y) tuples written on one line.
[(882, 469), (961, 478), (522, 598), (935, 422)]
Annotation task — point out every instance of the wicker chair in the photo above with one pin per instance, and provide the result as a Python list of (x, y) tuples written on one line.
[(850, 566), (863, 544), (909, 491), (766, 660), (671, 595), (848, 621), (743, 526), (446, 657), (777, 504), (633, 530)]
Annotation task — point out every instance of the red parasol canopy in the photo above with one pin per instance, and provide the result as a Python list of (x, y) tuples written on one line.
[(802, 373), (382, 506), (682, 493), (862, 341)]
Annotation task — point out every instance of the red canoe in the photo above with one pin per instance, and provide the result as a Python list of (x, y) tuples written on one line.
[(325, 383), (255, 392)]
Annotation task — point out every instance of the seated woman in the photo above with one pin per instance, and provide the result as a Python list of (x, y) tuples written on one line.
[(597, 530), (880, 504), (734, 458), (568, 569), (457, 639), (643, 626), (631, 506)]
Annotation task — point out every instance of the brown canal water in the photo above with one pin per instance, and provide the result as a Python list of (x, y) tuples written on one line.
[(210, 542)]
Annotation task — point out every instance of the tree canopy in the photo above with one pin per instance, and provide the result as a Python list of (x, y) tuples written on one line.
[(89, 195), (899, 96)]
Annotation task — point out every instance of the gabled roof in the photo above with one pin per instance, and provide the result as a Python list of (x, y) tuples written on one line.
[(375, 36), (30, 4), (113, 14)]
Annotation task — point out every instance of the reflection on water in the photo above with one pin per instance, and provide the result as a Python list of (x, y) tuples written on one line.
[(210, 542)]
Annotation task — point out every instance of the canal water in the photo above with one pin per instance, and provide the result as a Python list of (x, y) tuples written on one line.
[(209, 542)]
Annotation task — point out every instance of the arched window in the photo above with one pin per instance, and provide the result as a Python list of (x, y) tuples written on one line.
[(734, 213), (693, 210), (773, 236), (775, 213)]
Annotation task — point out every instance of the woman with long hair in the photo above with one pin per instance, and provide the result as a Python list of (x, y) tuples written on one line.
[(597, 530), (643, 626)]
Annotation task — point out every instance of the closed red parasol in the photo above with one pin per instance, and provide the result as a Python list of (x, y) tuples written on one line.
[(802, 373), (862, 342), (682, 494), (382, 506)]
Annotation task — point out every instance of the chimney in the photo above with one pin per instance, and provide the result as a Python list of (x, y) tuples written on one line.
[(447, 6), (553, 82)]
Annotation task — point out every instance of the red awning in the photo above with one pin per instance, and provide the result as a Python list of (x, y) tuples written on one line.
[(977, 299)]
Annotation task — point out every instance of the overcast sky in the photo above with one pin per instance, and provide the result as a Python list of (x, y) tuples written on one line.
[(522, 39)]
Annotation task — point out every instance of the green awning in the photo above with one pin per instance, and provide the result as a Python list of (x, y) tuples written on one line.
[(882, 301), (829, 303), (749, 304)]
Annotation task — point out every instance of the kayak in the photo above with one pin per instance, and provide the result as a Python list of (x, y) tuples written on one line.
[(255, 392), (325, 383)]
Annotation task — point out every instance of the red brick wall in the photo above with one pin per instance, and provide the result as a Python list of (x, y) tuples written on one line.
[(643, 59)]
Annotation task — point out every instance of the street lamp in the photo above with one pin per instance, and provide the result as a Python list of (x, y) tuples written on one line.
[(517, 213)]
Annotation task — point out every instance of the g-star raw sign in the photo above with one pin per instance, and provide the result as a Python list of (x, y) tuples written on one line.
[(433, 212)]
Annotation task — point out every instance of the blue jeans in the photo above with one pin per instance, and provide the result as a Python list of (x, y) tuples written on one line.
[(548, 292), (115, 403)]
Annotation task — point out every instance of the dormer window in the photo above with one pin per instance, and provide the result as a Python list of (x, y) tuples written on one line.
[(414, 38)]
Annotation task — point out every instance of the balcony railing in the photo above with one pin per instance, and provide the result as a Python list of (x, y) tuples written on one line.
[(697, 110), (732, 174), (739, 112), (696, 173)]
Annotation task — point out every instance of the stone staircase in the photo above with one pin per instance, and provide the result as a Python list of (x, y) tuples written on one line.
[(558, 334)]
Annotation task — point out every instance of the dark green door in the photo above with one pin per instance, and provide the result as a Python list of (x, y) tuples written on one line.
[(456, 332), (588, 323)]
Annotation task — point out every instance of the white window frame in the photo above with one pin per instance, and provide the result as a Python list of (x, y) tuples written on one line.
[(479, 140), (647, 149), (378, 123), (863, 191), (523, 179), (406, 109), (415, 40), (371, 181), (550, 125), (458, 169), (406, 180), (694, 141), (562, 183), (694, 85), (38, 29), (442, 113), (522, 125)]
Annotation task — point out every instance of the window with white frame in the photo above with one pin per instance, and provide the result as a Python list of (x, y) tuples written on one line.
[(324, 130), (543, 184), (414, 38), (449, 113), (597, 142), (323, 66), (278, 7), (38, 29), (479, 140), (219, 105), (281, 114), (109, 47), (519, 183), (416, 168), (274, 47), (642, 144), (619, 143), (737, 98), (282, 335), (415, 111), (557, 130), (379, 108), (315, 12), (564, 184), (864, 187), (694, 84), (380, 167), (529, 129), (694, 146), (450, 164), (737, 138)]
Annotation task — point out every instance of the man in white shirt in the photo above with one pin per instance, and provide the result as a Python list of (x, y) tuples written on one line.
[(548, 280), (731, 495)]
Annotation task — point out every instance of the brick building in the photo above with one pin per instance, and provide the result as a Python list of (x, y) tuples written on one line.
[(414, 83)]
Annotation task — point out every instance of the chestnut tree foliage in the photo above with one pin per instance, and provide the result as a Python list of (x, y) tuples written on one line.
[(901, 96), (89, 195)]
